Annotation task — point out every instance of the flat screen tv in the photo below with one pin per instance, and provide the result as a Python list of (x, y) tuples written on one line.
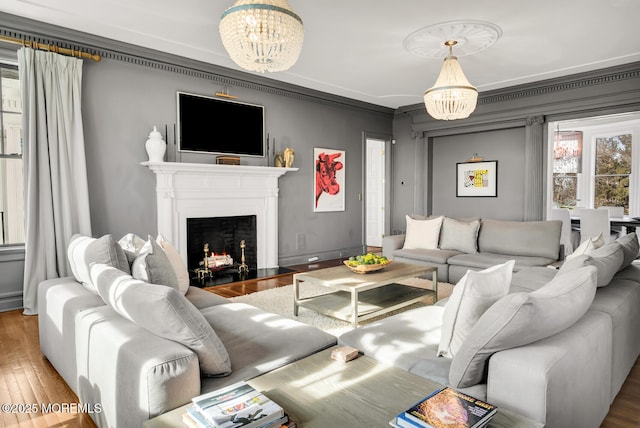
[(213, 125)]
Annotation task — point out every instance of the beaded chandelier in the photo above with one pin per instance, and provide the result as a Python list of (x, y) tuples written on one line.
[(452, 96), (262, 35)]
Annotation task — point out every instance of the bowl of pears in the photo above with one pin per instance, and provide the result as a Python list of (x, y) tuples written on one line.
[(367, 263)]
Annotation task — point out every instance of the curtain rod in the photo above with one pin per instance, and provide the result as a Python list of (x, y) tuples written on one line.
[(51, 48)]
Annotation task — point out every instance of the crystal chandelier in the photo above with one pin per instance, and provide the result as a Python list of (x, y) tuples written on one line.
[(262, 35), (452, 96)]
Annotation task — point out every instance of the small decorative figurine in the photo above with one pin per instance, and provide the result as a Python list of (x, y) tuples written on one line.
[(278, 160), (288, 157)]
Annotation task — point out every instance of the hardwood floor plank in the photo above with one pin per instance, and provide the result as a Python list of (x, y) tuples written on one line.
[(26, 376)]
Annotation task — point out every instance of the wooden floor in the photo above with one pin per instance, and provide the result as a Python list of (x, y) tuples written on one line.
[(27, 377)]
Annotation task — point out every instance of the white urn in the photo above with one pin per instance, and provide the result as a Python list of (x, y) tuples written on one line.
[(155, 146)]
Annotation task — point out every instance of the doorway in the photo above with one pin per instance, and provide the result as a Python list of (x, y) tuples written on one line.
[(376, 194)]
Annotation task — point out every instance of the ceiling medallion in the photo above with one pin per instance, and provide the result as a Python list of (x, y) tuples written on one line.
[(471, 37)]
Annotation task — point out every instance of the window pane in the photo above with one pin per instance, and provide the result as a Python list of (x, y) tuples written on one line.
[(11, 202), (11, 178), (613, 155), (11, 134), (565, 190), (612, 191)]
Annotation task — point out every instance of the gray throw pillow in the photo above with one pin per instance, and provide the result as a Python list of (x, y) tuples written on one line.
[(522, 318), (459, 235), (607, 259), (83, 251), (152, 265), (630, 248), (164, 312)]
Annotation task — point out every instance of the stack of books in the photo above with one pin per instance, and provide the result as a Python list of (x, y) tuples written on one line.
[(446, 407), (237, 405)]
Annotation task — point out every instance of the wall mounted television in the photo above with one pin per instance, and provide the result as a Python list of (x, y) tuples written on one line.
[(213, 125)]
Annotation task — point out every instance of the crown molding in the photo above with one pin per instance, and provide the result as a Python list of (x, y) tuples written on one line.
[(24, 28)]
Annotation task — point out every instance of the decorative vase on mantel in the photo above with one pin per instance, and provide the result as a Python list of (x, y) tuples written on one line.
[(155, 146)]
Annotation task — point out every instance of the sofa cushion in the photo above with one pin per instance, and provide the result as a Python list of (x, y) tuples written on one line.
[(152, 265), (430, 256), (131, 244), (400, 340), (587, 246), (486, 260), (164, 312), (531, 279), (471, 297), (607, 259), (422, 233), (630, 248), (521, 238), (459, 235), (179, 268), (83, 251), (522, 318)]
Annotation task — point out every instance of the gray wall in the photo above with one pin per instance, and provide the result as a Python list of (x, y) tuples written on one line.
[(507, 147)]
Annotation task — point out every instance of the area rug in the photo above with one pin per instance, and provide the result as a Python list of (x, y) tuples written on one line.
[(280, 301)]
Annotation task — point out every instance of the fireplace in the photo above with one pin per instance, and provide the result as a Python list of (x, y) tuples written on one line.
[(187, 191), (223, 236)]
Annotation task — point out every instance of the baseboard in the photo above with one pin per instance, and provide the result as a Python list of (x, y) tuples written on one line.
[(11, 301), (305, 258)]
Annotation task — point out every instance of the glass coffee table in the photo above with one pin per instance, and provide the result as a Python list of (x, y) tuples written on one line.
[(355, 297)]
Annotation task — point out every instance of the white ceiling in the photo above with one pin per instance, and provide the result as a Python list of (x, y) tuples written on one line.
[(353, 48)]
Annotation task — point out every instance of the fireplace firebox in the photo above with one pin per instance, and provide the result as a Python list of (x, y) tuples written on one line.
[(222, 236)]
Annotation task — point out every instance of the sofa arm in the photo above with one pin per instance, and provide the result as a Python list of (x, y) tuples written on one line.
[(561, 381), (133, 374), (391, 243)]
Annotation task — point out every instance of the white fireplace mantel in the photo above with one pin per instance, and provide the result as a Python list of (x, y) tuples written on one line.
[(194, 190)]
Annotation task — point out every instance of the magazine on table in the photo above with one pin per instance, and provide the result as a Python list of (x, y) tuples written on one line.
[(237, 405), (448, 408)]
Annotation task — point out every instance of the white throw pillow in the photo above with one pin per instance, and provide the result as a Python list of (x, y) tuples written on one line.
[(471, 297), (422, 234), (177, 264), (152, 265), (131, 244), (587, 246), (83, 251)]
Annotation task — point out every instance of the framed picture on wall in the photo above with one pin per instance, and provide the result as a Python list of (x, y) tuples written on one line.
[(477, 179), (329, 166)]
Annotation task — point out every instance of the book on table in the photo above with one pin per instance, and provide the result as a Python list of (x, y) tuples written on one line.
[(238, 405), (449, 408)]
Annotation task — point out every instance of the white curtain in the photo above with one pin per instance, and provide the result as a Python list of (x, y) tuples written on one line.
[(55, 173)]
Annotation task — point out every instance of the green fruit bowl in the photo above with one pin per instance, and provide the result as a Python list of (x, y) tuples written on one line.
[(366, 268)]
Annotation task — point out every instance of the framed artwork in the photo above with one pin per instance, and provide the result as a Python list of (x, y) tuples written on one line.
[(477, 179), (329, 167)]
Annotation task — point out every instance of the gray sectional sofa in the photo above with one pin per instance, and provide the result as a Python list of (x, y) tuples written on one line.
[(478, 244), (118, 343), (556, 349)]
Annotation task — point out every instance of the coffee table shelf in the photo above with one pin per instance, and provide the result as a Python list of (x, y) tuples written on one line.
[(357, 297), (371, 303)]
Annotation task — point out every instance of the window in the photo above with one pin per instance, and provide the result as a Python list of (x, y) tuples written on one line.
[(11, 178), (593, 163), (567, 164), (612, 171)]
